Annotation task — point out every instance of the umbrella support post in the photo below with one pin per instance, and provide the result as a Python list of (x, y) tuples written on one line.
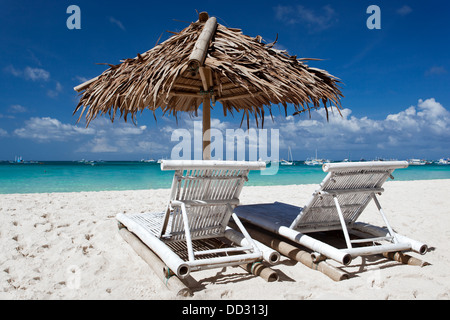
[(206, 128)]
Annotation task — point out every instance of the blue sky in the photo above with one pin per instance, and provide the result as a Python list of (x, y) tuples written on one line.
[(396, 79)]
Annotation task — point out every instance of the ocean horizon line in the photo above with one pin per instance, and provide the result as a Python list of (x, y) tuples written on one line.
[(152, 160), (74, 176)]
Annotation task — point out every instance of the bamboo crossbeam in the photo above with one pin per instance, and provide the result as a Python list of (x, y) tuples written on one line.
[(226, 86), (187, 86), (197, 88), (185, 94), (240, 96)]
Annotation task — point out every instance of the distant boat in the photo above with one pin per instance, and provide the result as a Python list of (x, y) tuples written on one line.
[(149, 160), (416, 162), (316, 161), (17, 159), (289, 161), (443, 161)]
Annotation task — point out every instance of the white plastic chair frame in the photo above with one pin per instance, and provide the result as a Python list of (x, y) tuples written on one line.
[(203, 197), (343, 195)]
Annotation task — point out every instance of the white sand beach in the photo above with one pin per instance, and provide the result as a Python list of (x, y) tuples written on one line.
[(67, 246)]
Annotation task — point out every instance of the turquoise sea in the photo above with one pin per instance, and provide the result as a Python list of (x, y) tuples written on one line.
[(68, 176)]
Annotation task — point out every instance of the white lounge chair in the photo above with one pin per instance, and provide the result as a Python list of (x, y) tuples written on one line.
[(203, 197), (336, 205)]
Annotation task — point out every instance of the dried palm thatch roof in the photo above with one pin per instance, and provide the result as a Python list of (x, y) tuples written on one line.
[(207, 60)]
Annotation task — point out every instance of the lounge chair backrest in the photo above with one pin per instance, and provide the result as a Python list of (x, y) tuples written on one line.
[(209, 188), (353, 184)]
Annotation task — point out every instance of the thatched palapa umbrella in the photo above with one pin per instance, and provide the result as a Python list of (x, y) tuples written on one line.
[(208, 62)]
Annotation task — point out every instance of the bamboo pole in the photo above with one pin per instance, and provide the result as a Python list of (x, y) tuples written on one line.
[(198, 54), (240, 96), (173, 283), (298, 254), (259, 269), (405, 259), (85, 84)]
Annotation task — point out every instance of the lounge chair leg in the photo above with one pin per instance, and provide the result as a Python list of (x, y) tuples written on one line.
[(187, 232), (242, 229), (391, 232), (344, 226)]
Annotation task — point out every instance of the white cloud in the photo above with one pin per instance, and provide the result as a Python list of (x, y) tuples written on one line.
[(436, 70), (3, 133), (47, 129), (315, 21), (116, 22), (17, 108), (417, 129), (405, 10), (29, 73), (10, 69), (53, 93), (36, 74), (100, 136), (100, 145), (118, 137), (428, 117), (129, 130), (81, 79)]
